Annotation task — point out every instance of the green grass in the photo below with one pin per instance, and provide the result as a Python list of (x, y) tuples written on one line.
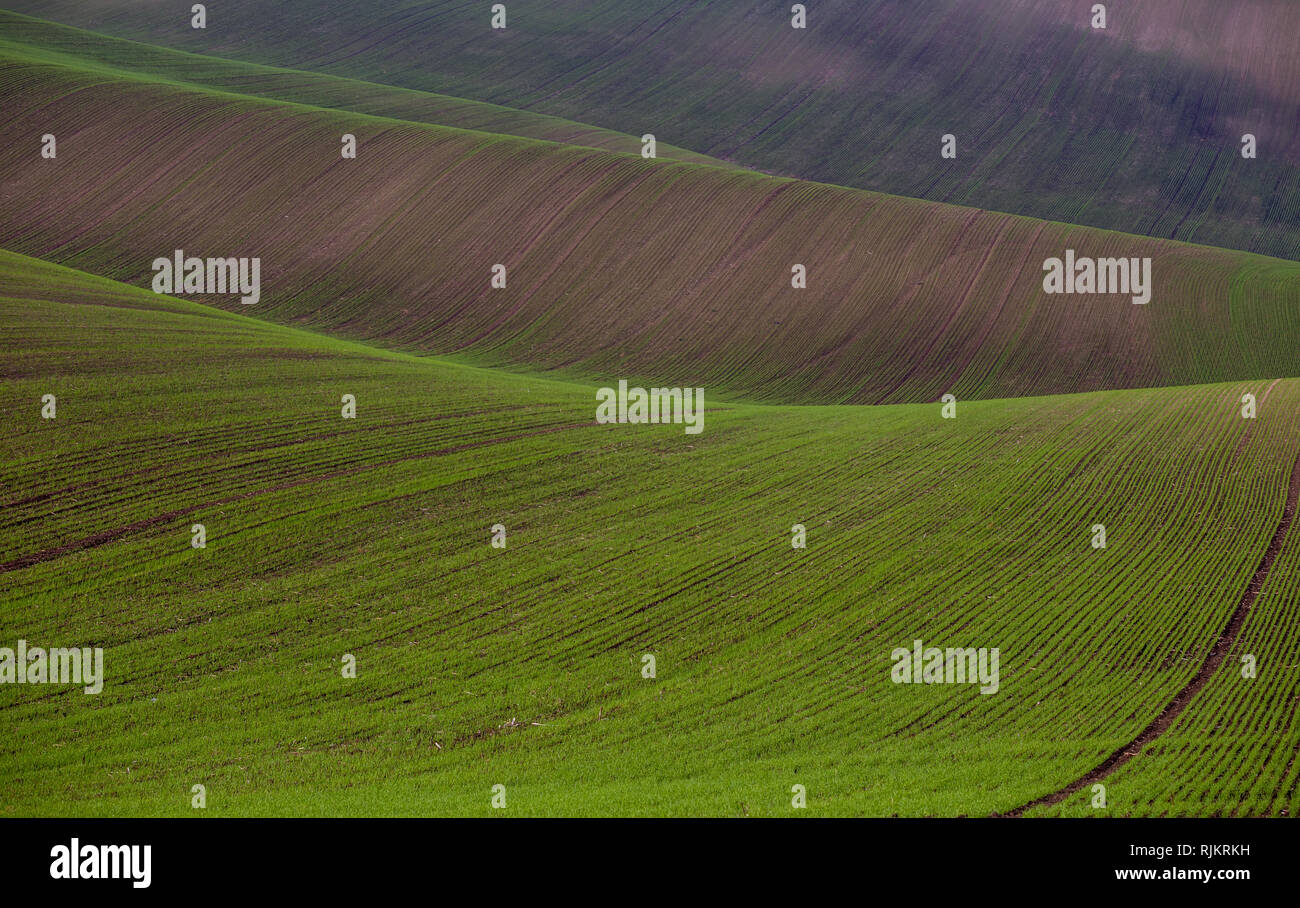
[(1234, 754), (329, 536), (480, 666)]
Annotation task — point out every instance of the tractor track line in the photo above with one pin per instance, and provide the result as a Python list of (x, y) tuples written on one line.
[(1227, 639)]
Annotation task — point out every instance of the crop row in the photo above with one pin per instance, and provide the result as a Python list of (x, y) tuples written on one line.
[(371, 536)]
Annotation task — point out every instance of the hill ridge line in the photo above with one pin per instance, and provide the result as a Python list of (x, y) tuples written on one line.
[(709, 162), (587, 302), (125, 72)]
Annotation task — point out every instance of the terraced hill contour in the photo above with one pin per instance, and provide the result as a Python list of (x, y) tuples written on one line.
[(131, 59)]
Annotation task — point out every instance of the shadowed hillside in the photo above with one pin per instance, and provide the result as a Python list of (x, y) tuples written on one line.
[(1136, 127), (130, 59), (617, 266)]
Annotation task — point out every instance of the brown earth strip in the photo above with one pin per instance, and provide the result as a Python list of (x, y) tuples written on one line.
[(938, 336), (1217, 654), (987, 328)]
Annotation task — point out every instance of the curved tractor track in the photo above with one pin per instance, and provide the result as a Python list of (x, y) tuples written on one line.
[(1226, 641)]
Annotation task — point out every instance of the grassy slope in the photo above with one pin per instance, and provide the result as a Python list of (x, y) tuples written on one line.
[(1135, 128), (131, 59), (672, 272), (371, 537), (1195, 768)]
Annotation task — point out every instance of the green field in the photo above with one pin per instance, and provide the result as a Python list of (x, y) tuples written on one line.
[(521, 666), (920, 445)]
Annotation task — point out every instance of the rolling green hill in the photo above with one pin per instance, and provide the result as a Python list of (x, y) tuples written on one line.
[(1136, 127), (1195, 764), (521, 666), (504, 569)]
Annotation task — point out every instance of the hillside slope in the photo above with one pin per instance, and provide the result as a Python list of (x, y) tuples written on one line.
[(1234, 753), (1136, 127), (522, 666), (671, 272), (130, 59)]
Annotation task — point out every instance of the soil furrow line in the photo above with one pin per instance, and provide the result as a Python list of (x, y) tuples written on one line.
[(1226, 641)]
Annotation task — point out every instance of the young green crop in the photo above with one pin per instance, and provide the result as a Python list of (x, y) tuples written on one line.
[(521, 666)]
